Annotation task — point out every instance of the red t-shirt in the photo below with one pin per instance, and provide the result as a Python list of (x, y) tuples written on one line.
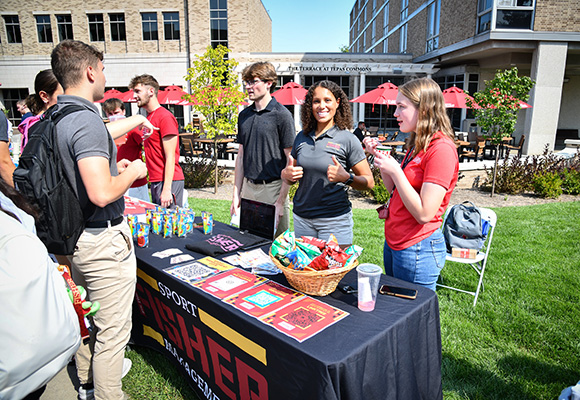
[(439, 165), (131, 148), (154, 153)]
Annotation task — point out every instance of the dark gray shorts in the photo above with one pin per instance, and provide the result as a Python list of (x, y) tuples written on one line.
[(177, 188)]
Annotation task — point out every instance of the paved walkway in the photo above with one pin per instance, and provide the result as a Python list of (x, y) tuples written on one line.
[(63, 386)]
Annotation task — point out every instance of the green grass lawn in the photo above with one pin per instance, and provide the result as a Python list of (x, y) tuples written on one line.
[(521, 341)]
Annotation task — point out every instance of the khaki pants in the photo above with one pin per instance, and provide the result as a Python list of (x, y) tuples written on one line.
[(104, 263), (268, 193)]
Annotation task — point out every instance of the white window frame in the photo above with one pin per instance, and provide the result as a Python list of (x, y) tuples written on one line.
[(433, 21)]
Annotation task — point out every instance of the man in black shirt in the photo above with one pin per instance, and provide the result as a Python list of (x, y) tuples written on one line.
[(265, 134), (359, 132)]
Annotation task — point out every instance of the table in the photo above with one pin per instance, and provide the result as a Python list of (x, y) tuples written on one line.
[(393, 352), (207, 146)]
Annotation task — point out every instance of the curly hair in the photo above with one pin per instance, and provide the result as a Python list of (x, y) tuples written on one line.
[(426, 95), (343, 116)]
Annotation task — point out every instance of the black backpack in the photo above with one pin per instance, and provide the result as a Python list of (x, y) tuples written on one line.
[(40, 177), (463, 227)]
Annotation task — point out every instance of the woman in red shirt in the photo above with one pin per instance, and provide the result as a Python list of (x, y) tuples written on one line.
[(420, 186)]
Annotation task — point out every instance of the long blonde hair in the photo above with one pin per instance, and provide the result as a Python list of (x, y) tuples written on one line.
[(426, 95)]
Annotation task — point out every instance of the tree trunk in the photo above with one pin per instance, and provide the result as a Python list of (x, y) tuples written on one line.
[(495, 169), (215, 159)]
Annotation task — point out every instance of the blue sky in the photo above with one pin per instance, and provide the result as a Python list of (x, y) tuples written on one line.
[(309, 25)]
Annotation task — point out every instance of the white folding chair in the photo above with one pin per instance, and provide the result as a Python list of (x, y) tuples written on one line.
[(480, 261)]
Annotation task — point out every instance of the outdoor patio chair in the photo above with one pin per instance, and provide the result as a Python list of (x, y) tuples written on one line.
[(188, 147), (509, 148), (475, 152), (479, 263)]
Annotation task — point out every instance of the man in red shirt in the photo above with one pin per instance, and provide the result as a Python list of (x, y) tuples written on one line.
[(129, 146), (161, 149)]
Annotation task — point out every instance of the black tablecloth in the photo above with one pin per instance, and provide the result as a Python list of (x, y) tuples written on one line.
[(393, 352)]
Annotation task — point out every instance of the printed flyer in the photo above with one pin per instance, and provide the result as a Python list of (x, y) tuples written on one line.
[(228, 283), (190, 272), (304, 318), (263, 299)]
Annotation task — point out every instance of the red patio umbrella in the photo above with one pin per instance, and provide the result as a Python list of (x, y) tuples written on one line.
[(291, 93), (385, 94), (455, 98), (111, 94), (171, 95), (128, 96)]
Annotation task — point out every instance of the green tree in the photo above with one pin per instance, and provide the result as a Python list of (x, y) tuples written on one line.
[(496, 107), (344, 49), (217, 93)]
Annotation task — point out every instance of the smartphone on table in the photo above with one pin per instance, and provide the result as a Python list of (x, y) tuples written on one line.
[(397, 291)]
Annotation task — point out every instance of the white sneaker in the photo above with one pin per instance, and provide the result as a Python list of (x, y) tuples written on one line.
[(89, 394), (86, 394), (126, 366)]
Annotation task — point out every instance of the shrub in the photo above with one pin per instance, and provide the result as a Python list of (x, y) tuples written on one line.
[(547, 184), (571, 181), (293, 189), (379, 192), (516, 174), (201, 173)]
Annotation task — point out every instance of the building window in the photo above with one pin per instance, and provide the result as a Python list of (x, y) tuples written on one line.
[(96, 28), (433, 16), (171, 25), (484, 9), (150, 26), (65, 27), (364, 41), (403, 39), (117, 22), (386, 45), (218, 19), (403, 30), (12, 28), (386, 19), (373, 31), (514, 14), (374, 5), (44, 29)]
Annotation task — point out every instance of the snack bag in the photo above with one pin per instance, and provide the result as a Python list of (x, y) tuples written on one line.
[(311, 250), (354, 252), (299, 260), (321, 244)]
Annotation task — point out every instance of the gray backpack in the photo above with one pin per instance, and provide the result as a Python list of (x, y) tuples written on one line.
[(463, 227)]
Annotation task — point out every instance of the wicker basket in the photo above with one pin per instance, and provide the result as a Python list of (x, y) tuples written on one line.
[(314, 283)]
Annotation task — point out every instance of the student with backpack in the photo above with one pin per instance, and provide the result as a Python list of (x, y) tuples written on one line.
[(104, 259), (420, 186)]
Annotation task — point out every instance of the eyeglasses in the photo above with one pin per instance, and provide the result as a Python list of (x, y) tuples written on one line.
[(252, 83)]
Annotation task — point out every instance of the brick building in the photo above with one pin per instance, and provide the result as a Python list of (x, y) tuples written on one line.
[(469, 40), (161, 38), (145, 36)]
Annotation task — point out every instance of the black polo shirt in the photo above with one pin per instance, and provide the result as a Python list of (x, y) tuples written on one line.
[(316, 196), (265, 134)]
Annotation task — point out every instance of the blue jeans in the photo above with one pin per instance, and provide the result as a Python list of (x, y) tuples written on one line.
[(420, 263)]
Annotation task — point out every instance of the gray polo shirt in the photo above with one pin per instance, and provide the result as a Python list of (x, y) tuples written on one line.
[(316, 196), (265, 134), (83, 134)]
